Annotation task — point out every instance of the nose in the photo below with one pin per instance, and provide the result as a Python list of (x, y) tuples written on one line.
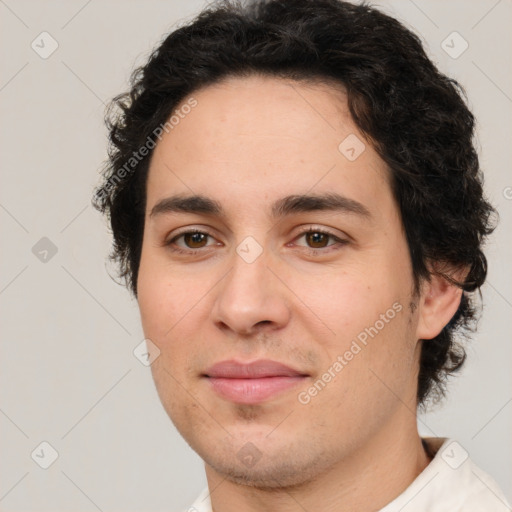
[(251, 298)]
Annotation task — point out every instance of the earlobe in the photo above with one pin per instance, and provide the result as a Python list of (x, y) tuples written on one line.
[(439, 301)]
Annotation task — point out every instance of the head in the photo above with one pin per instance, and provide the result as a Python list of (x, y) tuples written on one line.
[(296, 181)]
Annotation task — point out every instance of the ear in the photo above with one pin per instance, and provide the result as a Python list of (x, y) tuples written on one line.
[(438, 302)]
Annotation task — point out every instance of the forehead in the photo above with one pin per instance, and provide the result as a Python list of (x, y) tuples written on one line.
[(250, 140), (270, 112)]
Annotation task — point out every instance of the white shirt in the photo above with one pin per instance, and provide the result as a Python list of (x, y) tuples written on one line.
[(450, 483)]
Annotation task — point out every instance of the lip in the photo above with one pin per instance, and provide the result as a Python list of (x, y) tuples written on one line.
[(251, 383)]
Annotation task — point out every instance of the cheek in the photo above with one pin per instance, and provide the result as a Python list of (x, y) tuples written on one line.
[(163, 297), (348, 301), (173, 311), (370, 328), (152, 299), (372, 379), (171, 387)]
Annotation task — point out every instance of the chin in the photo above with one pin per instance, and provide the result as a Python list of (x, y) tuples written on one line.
[(270, 477), (270, 468)]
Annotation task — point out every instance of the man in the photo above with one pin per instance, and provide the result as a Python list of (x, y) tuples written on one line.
[(297, 205)]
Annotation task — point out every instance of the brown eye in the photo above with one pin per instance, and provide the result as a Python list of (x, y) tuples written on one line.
[(191, 242), (317, 240), (195, 240)]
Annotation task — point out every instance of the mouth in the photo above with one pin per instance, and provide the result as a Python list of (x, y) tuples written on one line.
[(252, 383)]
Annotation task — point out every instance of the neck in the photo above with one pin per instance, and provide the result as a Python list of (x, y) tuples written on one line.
[(365, 481)]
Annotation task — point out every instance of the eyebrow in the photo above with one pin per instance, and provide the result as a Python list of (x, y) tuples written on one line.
[(289, 205)]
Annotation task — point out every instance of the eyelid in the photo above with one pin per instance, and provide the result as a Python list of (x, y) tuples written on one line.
[(326, 231), (169, 242), (195, 228), (336, 245), (185, 231)]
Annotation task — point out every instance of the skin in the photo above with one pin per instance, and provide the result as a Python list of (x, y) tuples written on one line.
[(355, 445)]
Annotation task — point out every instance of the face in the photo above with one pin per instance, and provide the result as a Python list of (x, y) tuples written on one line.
[(287, 341)]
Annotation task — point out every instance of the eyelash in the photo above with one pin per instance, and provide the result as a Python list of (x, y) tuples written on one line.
[(310, 250)]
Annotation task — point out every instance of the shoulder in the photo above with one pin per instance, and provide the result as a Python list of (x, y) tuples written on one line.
[(482, 492), (450, 483)]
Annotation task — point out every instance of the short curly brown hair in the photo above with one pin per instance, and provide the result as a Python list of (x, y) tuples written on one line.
[(415, 117)]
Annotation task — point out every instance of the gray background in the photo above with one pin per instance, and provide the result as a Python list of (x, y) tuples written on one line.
[(68, 374)]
